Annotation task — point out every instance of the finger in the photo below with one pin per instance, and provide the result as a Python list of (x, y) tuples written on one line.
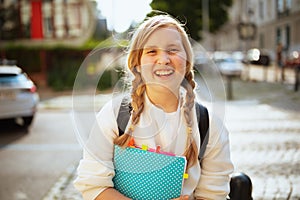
[(185, 197)]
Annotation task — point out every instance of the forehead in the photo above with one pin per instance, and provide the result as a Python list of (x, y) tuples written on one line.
[(164, 36)]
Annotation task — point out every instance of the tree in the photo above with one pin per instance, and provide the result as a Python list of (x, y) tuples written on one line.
[(9, 22), (190, 13)]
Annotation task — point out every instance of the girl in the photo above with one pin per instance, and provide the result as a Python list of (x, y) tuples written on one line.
[(163, 114)]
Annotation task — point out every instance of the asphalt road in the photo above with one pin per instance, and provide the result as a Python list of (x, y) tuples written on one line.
[(33, 160)]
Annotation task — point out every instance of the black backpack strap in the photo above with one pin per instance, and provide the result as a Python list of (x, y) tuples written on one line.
[(123, 115), (203, 125), (201, 111)]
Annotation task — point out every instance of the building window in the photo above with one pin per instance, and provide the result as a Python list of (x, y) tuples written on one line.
[(10, 24), (283, 36), (47, 19), (261, 9), (283, 7), (287, 35), (261, 41), (278, 35), (25, 12)]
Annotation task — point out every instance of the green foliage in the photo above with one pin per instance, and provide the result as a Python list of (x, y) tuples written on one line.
[(105, 80), (61, 79), (218, 14), (28, 60), (62, 68), (63, 72), (190, 13), (61, 62), (9, 14)]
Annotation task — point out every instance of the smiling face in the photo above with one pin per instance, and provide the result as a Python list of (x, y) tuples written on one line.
[(163, 61)]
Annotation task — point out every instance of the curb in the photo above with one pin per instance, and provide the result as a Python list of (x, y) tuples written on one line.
[(69, 102), (61, 184)]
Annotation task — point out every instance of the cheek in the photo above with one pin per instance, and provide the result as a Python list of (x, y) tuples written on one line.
[(146, 64), (146, 60), (145, 69), (181, 65)]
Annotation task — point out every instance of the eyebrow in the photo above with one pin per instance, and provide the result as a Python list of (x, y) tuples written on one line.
[(156, 47), (150, 47)]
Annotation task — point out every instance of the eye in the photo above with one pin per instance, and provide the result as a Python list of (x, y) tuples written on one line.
[(173, 50), (150, 51)]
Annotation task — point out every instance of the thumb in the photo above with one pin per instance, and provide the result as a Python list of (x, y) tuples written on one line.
[(185, 197)]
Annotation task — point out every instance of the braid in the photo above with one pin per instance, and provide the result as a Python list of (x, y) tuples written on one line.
[(189, 84), (137, 103), (137, 97), (191, 151)]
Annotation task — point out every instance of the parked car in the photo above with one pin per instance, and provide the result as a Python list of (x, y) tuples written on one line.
[(293, 59), (18, 95), (230, 66), (258, 57)]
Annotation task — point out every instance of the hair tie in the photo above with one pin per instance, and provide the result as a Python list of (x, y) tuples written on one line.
[(131, 128), (189, 130)]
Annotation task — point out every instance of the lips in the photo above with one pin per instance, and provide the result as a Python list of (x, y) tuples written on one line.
[(164, 72)]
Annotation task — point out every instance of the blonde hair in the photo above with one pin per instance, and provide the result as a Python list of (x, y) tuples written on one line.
[(138, 41)]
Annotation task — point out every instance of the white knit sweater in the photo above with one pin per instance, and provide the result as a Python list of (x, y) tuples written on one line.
[(168, 130)]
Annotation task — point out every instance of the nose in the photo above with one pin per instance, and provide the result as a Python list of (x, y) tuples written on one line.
[(163, 58)]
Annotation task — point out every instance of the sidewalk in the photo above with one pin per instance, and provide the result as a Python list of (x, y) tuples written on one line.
[(264, 127)]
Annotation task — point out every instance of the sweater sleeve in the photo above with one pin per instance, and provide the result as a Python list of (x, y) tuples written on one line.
[(93, 177), (95, 170), (216, 165)]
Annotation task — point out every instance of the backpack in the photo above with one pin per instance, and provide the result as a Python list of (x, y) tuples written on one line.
[(201, 111)]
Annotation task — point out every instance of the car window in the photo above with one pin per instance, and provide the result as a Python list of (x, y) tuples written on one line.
[(9, 78), (230, 60)]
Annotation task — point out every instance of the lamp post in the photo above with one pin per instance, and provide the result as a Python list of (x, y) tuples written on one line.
[(205, 15), (247, 32)]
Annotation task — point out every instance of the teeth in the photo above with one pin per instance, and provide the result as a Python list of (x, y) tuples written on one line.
[(164, 72)]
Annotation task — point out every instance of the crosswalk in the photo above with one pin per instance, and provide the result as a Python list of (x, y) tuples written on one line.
[(265, 145)]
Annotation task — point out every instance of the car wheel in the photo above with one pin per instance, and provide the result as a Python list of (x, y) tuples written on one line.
[(27, 121)]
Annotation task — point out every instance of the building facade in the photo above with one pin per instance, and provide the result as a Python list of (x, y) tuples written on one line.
[(46, 21), (275, 21)]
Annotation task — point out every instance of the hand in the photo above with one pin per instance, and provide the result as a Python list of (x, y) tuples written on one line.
[(184, 197)]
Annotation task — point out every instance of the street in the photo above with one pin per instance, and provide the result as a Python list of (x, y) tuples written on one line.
[(263, 121), (32, 161), (265, 145)]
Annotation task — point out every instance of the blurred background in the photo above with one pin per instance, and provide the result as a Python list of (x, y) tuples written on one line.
[(50, 39), (254, 44)]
